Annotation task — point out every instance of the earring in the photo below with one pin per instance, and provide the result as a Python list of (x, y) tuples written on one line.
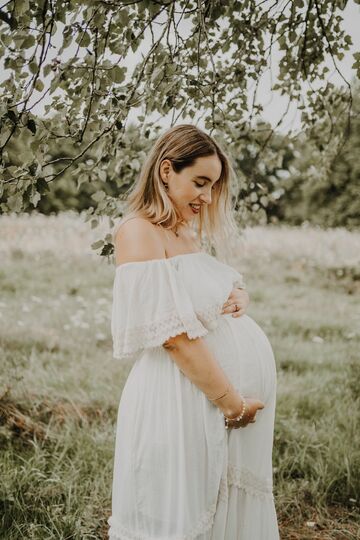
[(166, 186)]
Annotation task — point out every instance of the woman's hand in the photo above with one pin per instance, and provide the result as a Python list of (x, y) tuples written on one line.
[(237, 302), (252, 406)]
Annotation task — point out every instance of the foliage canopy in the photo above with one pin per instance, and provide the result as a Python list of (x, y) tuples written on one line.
[(96, 65)]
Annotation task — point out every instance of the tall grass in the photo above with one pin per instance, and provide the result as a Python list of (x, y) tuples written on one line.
[(60, 387)]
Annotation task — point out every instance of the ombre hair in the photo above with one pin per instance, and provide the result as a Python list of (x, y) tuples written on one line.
[(148, 198)]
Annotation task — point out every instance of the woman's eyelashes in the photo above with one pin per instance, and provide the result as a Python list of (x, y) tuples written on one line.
[(202, 185)]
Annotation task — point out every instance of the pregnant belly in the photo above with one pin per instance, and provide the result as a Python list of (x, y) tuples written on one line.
[(245, 354)]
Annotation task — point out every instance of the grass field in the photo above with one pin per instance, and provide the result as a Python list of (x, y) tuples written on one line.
[(60, 387)]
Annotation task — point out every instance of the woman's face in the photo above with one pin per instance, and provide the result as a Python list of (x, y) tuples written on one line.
[(193, 185)]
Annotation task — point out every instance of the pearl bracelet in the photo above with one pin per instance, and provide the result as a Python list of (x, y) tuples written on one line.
[(238, 418)]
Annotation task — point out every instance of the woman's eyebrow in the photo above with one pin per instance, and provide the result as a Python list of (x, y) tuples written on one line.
[(205, 178)]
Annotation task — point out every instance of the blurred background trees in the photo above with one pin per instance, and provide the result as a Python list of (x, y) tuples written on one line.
[(288, 191), (87, 87)]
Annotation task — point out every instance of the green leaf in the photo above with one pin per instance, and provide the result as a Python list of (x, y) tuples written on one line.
[(6, 39), (34, 145), (47, 70), (107, 250), (14, 202), (35, 198), (83, 39), (356, 66), (28, 42), (99, 195), (39, 85), (117, 74), (42, 185), (21, 6), (13, 117), (33, 67), (103, 177), (123, 17), (31, 125), (81, 179), (98, 244), (157, 75)]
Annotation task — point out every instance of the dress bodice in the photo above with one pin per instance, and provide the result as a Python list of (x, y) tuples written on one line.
[(157, 299)]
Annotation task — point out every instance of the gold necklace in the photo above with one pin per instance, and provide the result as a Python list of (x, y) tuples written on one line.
[(174, 231)]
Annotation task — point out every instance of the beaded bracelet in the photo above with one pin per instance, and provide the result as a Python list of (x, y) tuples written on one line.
[(238, 418)]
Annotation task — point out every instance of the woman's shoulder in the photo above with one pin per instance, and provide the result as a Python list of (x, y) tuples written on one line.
[(132, 222), (137, 239), (137, 217)]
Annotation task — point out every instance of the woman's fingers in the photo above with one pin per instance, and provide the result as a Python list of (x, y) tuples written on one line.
[(241, 298), (253, 405), (238, 313), (229, 308), (241, 424)]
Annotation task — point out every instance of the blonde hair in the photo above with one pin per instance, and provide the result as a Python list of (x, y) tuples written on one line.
[(148, 198)]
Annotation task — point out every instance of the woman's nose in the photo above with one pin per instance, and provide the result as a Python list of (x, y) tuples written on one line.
[(206, 197)]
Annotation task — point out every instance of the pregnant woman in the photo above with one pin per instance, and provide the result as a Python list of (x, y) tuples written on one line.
[(193, 456)]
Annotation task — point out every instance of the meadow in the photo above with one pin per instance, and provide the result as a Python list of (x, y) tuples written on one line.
[(60, 386)]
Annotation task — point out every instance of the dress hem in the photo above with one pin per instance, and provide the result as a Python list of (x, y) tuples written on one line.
[(241, 478), (119, 532)]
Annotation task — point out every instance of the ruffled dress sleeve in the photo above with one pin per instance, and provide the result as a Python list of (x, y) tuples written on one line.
[(150, 305)]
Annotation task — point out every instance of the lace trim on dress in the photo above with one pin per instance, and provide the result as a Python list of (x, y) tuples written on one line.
[(210, 314), (119, 532), (131, 340), (223, 490), (246, 480)]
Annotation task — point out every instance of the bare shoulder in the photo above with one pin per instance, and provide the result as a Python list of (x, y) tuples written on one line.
[(138, 240)]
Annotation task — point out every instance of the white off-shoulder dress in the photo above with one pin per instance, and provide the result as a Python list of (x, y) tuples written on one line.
[(178, 473)]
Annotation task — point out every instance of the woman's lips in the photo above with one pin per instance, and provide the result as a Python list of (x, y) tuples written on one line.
[(195, 210)]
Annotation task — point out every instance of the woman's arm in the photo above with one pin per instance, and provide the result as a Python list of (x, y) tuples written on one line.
[(197, 363)]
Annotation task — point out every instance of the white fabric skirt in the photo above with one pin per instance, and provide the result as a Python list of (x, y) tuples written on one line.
[(178, 473)]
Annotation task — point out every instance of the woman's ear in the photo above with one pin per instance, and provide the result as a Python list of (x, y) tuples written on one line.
[(165, 169)]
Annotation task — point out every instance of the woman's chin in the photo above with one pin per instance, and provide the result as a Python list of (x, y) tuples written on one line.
[(188, 215)]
